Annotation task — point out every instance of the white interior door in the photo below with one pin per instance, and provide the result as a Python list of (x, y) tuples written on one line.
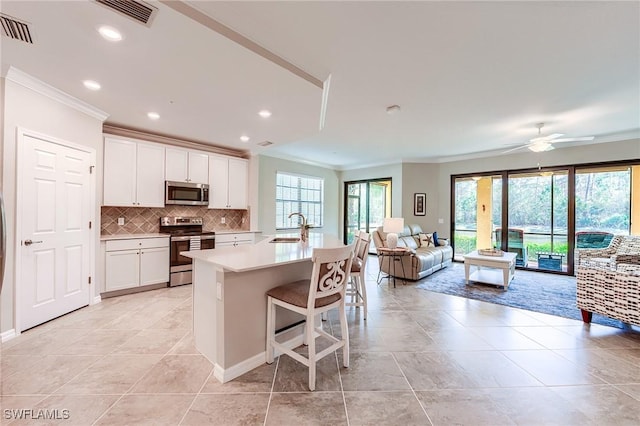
[(55, 209)]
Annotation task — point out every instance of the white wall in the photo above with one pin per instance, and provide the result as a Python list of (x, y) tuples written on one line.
[(268, 166), (35, 111)]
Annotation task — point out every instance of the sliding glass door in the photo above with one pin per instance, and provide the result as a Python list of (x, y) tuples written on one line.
[(367, 203), (538, 219)]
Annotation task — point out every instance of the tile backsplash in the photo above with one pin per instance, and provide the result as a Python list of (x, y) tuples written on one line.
[(142, 220)]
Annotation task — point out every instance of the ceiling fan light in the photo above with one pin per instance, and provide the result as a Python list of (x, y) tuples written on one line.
[(540, 146)]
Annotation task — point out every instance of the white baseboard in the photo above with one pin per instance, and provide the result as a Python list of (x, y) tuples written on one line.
[(8, 335), (97, 299), (225, 375)]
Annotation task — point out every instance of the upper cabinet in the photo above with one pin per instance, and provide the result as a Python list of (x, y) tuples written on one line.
[(228, 180), (133, 174), (187, 166)]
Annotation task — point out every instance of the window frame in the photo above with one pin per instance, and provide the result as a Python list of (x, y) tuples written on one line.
[(311, 219)]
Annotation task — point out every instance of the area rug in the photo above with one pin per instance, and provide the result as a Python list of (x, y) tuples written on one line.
[(534, 291)]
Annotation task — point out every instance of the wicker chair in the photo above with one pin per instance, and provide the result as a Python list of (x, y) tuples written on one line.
[(613, 293), (623, 249)]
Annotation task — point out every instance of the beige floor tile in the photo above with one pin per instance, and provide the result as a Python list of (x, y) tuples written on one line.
[(631, 390), (176, 319), (458, 340), (293, 376), (113, 374), (409, 339), (375, 371), (504, 338), (228, 410), (536, 406), (98, 342), (604, 365), (11, 364), (384, 408), (435, 321), (317, 408), (491, 369), (433, 370), (15, 407), (629, 355), (552, 369), (175, 374), (46, 376), (48, 342), (600, 336), (186, 346), (478, 318), (151, 341), (462, 407), (71, 410), (259, 379), (137, 320), (595, 402), (153, 410), (553, 338)]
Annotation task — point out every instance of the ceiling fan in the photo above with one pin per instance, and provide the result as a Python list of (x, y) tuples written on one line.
[(545, 143)]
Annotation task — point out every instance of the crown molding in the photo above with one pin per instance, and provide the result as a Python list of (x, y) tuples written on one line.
[(39, 86), (131, 133)]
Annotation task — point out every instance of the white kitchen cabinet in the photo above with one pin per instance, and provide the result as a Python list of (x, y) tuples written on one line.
[(187, 166), (136, 262), (133, 174), (225, 240), (228, 182)]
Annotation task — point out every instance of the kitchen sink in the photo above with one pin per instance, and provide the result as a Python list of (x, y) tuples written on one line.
[(285, 240)]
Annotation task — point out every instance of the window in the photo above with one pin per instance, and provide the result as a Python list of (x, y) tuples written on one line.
[(298, 194)]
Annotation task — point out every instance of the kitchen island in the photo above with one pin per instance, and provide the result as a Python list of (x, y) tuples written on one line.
[(229, 301)]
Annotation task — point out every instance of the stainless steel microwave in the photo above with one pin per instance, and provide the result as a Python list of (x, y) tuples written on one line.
[(186, 193)]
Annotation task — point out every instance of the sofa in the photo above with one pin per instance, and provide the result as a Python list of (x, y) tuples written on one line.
[(419, 260)]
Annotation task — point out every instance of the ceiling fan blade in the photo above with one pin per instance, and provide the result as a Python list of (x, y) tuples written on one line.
[(584, 138), (515, 149), (548, 138)]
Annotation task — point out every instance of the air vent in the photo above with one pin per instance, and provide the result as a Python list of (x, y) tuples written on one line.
[(15, 29), (134, 9), (265, 143)]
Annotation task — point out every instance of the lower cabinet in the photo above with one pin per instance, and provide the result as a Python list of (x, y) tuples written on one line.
[(224, 240), (136, 262)]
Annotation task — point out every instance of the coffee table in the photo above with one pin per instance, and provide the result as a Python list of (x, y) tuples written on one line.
[(496, 270)]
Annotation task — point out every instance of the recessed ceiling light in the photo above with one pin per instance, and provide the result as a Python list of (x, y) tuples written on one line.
[(153, 115), (265, 113), (91, 85), (110, 33), (244, 138)]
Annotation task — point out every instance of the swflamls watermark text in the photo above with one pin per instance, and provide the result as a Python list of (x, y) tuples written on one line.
[(31, 414)]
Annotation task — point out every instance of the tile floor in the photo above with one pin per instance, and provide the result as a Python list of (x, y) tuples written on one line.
[(420, 358)]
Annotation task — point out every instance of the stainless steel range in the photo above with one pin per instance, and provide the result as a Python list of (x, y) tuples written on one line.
[(186, 235)]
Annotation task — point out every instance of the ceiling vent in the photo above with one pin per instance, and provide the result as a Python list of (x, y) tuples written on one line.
[(265, 143), (15, 29), (134, 9)]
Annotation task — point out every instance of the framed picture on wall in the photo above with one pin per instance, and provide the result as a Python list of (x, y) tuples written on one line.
[(419, 204)]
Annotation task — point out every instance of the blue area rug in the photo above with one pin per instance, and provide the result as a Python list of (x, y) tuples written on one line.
[(534, 291)]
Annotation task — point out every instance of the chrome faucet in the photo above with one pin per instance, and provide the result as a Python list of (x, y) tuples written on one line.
[(304, 230)]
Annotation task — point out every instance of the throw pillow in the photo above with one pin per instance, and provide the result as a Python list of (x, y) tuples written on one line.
[(435, 239), (426, 240)]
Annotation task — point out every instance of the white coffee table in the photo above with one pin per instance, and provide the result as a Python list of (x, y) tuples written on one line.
[(490, 269)]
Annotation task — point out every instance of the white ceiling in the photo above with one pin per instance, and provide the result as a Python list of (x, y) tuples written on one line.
[(472, 78)]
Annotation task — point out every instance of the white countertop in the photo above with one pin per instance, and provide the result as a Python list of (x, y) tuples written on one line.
[(131, 236), (264, 254), (236, 231)]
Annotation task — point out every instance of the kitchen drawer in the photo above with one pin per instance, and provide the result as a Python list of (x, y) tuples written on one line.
[(136, 243), (243, 238)]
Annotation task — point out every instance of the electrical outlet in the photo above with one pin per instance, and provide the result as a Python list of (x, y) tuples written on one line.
[(440, 220), (121, 221), (223, 220)]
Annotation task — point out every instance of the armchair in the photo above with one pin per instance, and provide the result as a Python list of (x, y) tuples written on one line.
[(623, 249), (515, 244)]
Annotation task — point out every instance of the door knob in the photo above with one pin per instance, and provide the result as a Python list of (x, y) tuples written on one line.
[(29, 242)]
